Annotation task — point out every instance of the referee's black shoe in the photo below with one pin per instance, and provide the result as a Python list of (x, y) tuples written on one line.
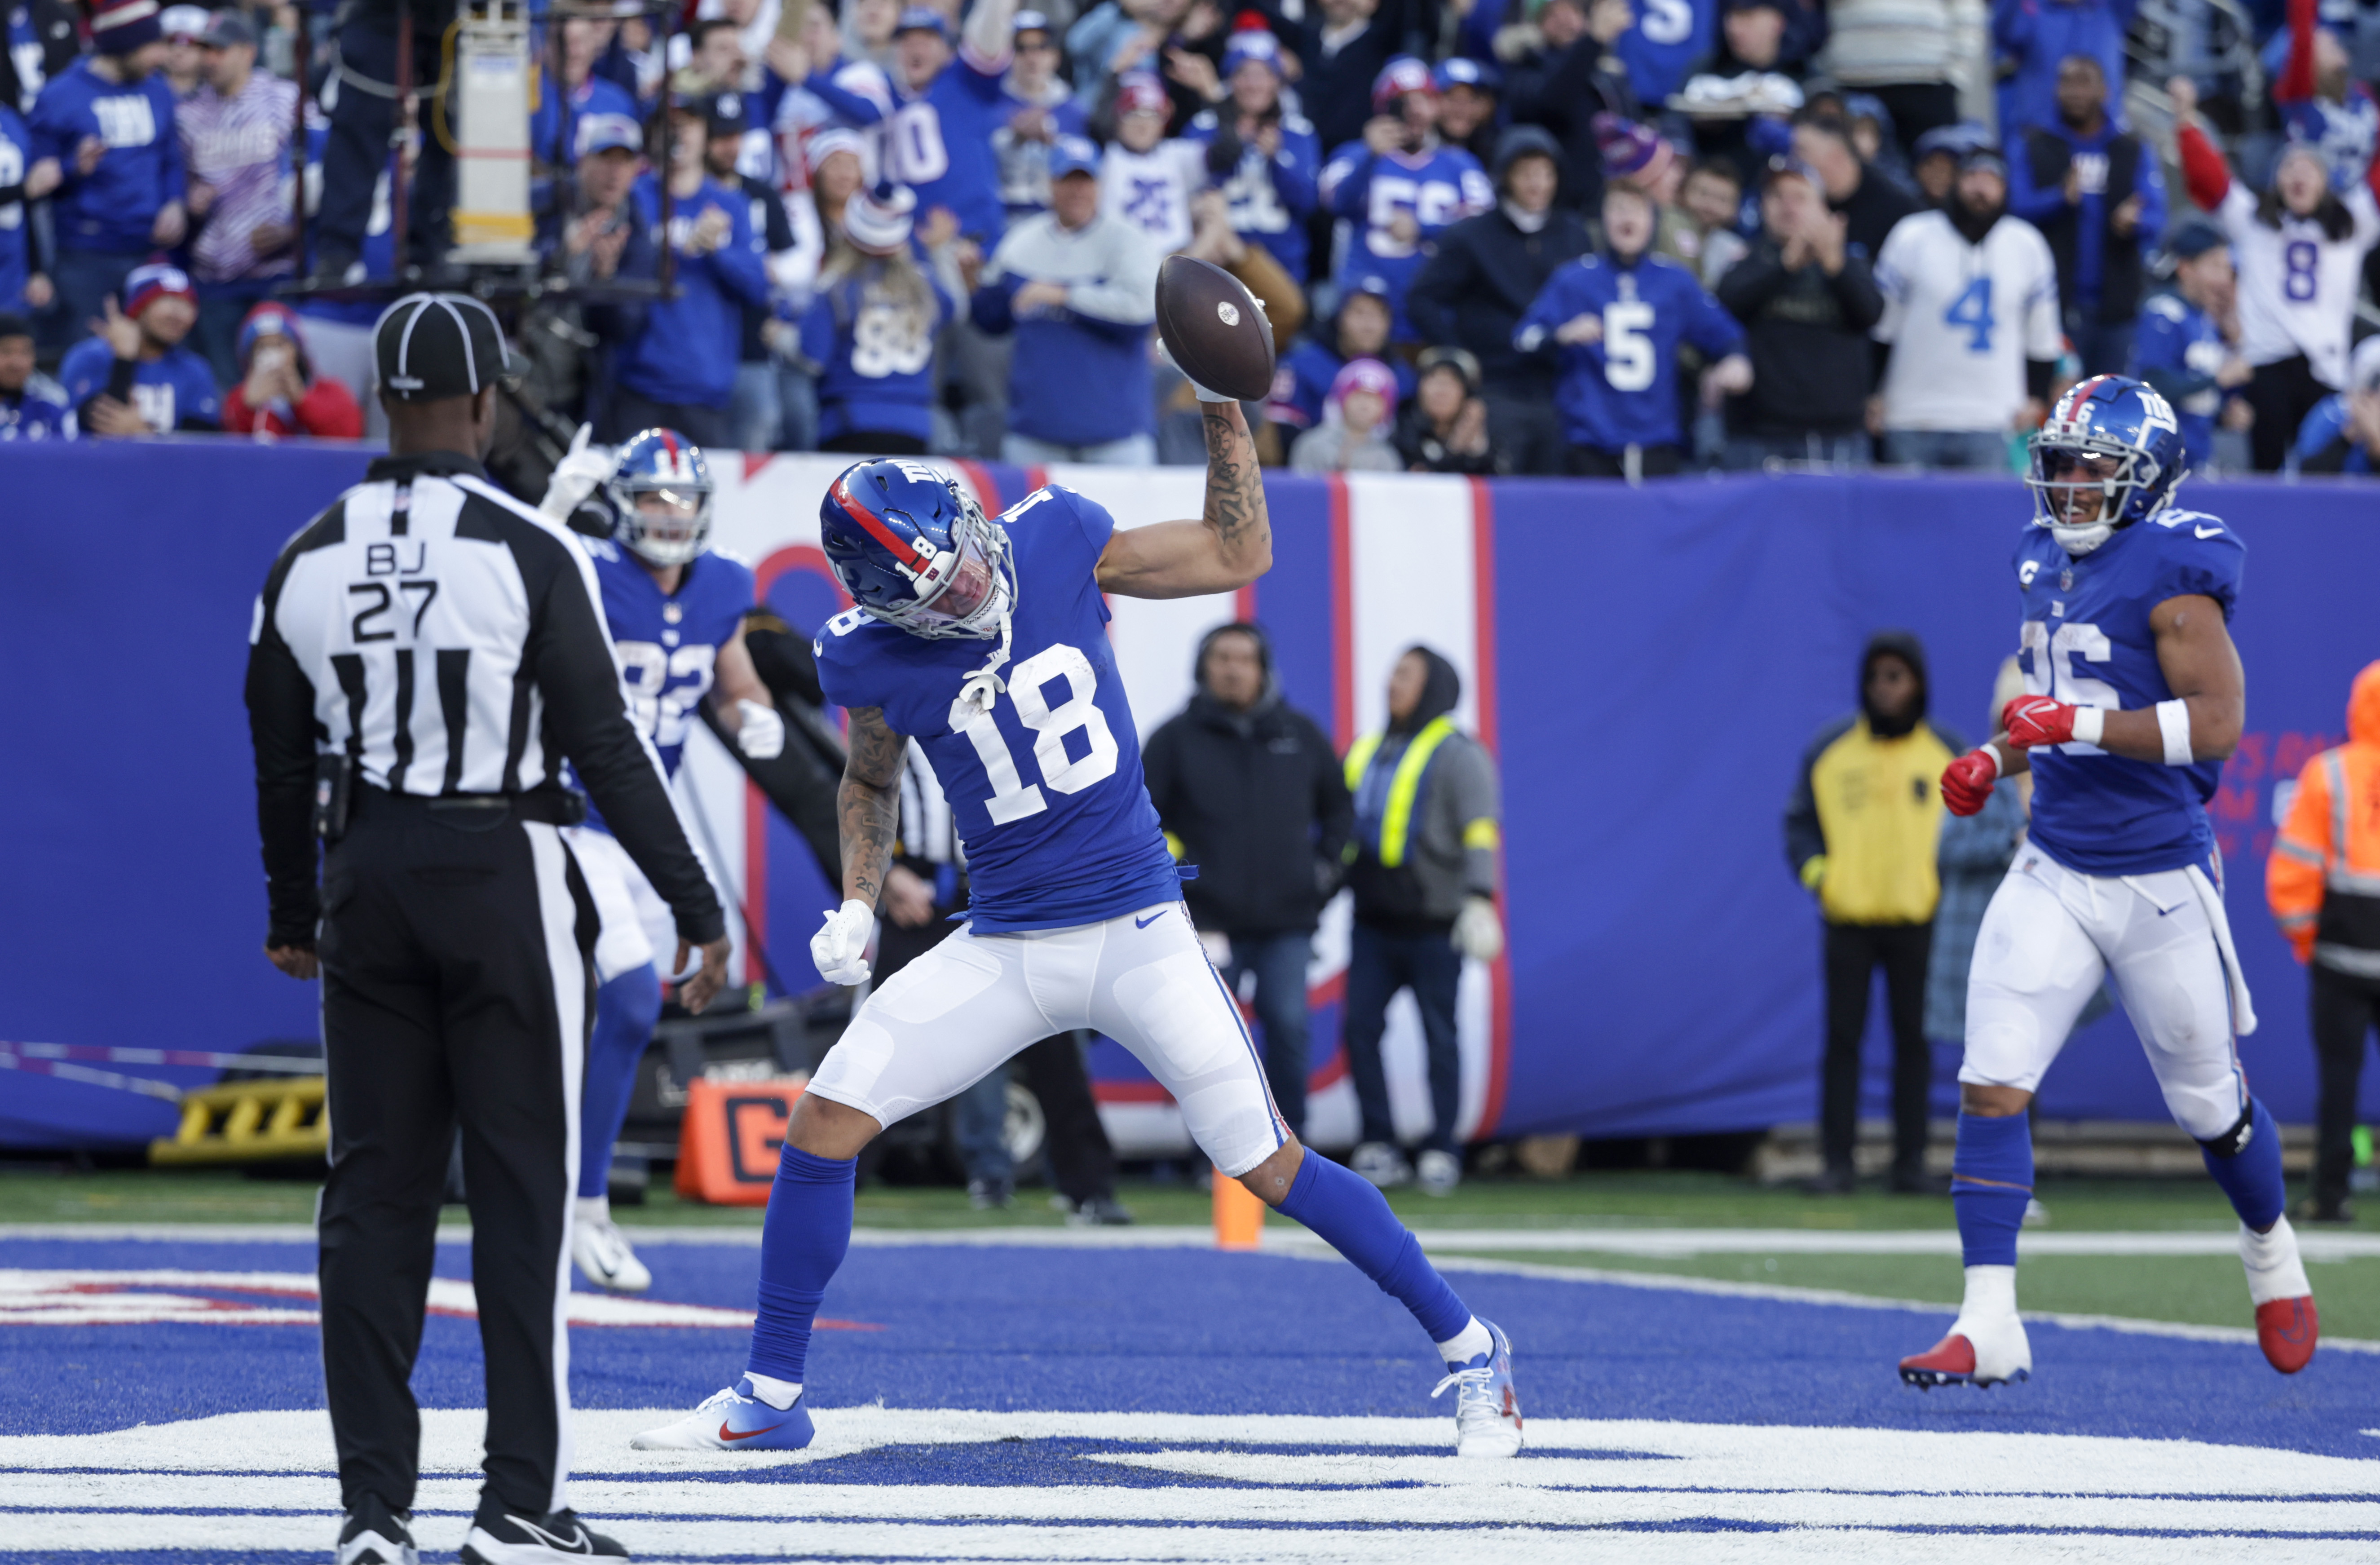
[(376, 1536), (500, 1536)]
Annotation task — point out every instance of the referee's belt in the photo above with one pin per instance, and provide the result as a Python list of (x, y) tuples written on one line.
[(473, 812)]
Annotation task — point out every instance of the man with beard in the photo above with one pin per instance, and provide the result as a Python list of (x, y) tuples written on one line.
[(2095, 193), (1970, 326), (1861, 832)]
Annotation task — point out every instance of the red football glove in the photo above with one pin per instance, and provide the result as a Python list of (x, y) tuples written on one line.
[(2029, 721), (1967, 781)]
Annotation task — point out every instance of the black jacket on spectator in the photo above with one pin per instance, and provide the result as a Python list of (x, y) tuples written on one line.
[(1257, 802), (1806, 334), (1420, 448), (1873, 208), (1336, 92), (1563, 93), (1485, 274), (53, 22), (775, 232), (2049, 155)]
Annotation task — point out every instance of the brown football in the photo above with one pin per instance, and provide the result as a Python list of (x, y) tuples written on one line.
[(1214, 328)]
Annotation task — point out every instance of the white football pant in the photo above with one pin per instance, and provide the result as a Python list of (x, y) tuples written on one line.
[(960, 1012), (638, 925), (2046, 939)]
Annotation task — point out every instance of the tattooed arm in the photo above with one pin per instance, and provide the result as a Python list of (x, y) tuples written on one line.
[(868, 805), (1223, 552)]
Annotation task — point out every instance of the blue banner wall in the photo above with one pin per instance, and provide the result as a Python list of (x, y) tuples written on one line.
[(1657, 661)]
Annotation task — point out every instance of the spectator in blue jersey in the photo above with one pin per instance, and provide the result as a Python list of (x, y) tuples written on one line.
[(2185, 345), (1613, 322), (103, 141), (2342, 433), (2032, 39), (1264, 157), (2096, 194), (679, 371), (580, 93), (870, 328), (23, 286), (43, 42), (1301, 380), (1398, 188), (1487, 271), (136, 377), (32, 406), (1040, 109), (1468, 117), (1078, 288)]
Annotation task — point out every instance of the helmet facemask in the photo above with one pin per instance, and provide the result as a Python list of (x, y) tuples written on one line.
[(2068, 468), (663, 523)]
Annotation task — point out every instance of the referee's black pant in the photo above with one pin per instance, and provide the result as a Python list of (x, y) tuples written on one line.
[(458, 985)]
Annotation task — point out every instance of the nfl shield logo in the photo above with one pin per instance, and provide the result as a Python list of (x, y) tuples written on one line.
[(2066, 581)]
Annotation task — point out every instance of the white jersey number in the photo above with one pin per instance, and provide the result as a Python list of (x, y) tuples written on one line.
[(1628, 360), (2052, 656), (1012, 798)]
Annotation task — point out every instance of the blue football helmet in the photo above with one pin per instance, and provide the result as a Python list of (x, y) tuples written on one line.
[(660, 490), (914, 550), (2113, 434)]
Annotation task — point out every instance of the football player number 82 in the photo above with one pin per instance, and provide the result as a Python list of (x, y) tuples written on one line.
[(1012, 798)]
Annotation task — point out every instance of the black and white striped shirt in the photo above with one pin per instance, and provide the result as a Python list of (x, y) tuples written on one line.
[(451, 640)]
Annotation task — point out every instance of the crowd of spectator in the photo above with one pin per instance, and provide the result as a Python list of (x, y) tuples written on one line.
[(1592, 237)]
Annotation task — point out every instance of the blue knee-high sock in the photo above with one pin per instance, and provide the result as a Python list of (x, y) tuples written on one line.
[(1354, 1219), (802, 1244), (625, 1012), (1991, 1180), (2246, 1162)]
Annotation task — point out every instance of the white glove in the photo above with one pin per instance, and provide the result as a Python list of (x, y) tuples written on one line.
[(583, 469), (762, 736), (1477, 931), (840, 949)]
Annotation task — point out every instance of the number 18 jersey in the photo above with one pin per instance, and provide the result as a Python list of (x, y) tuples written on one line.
[(2086, 641), (1046, 787)]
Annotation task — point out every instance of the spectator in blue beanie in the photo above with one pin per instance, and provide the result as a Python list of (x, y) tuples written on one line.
[(1079, 288), (136, 377), (104, 140), (2181, 349), (2096, 194), (679, 372)]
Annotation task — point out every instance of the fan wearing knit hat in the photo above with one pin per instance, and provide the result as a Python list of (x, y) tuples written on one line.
[(279, 393), (1399, 186), (118, 182), (134, 375), (1359, 418), (870, 328)]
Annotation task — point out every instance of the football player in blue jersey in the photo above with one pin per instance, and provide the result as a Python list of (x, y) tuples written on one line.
[(986, 640), (675, 607), (2133, 696)]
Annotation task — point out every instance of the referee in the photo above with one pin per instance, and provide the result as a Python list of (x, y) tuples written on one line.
[(424, 655)]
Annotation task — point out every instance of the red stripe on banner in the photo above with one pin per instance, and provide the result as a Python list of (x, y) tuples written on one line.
[(986, 487), (1244, 604), (756, 460), (1343, 617), (1483, 674), (1036, 476)]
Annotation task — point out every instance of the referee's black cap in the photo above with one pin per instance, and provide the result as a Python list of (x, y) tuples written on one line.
[(434, 346)]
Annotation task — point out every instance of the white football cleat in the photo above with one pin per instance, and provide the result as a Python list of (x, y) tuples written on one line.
[(1983, 1351), (734, 1419), (1486, 1412), (605, 1257)]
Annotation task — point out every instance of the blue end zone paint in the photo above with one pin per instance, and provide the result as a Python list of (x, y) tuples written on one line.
[(1195, 1331)]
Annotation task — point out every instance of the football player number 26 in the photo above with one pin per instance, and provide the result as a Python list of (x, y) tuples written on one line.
[(1012, 798), (2052, 656)]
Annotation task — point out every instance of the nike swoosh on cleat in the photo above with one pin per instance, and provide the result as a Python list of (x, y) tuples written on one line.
[(1145, 922), (727, 1434)]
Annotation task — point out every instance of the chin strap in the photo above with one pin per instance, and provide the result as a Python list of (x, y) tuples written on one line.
[(984, 685)]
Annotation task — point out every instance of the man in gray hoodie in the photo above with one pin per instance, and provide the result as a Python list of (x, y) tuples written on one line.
[(1425, 879)]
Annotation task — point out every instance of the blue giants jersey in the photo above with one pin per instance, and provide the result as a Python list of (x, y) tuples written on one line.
[(1435, 189), (1620, 390), (2086, 641), (669, 646), (1047, 788)]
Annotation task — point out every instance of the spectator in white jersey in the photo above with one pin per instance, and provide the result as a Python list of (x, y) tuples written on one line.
[(1146, 177), (236, 131), (2300, 248), (1970, 324)]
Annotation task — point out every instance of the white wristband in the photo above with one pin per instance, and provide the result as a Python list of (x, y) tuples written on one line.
[(2173, 725), (2090, 724), (1999, 767)]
